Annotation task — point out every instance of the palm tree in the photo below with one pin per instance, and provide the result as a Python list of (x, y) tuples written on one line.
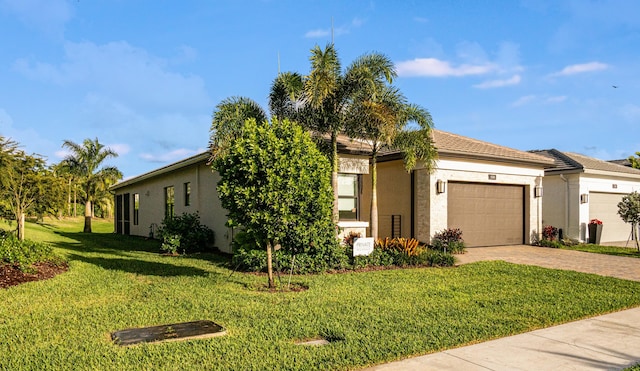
[(321, 100), (228, 119), (85, 163), (382, 116)]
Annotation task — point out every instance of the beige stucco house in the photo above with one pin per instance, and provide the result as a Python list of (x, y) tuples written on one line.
[(488, 191), (189, 186), (580, 188)]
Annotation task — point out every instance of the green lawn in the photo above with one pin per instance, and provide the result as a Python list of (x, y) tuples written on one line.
[(115, 282), (631, 251)]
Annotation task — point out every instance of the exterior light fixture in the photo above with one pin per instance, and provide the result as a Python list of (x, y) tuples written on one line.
[(537, 192), (584, 198), (441, 186)]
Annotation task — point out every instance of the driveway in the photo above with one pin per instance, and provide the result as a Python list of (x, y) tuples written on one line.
[(604, 265)]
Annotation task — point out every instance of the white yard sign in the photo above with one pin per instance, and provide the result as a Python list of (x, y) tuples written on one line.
[(363, 246)]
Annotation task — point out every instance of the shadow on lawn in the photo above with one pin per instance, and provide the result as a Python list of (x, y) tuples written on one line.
[(125, 251), (142, 267)]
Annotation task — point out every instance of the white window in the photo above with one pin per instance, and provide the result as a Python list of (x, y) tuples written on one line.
[(348, 191)]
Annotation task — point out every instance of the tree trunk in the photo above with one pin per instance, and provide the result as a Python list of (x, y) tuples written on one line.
[(87, 217), (75, 202), (270, 266), (334, 176), (69, 199), (374, 196), (20, 220)]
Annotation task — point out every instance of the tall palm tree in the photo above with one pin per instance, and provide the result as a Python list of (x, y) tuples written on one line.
[(321, 100), (228, 119), (383, 117), (85, 162)]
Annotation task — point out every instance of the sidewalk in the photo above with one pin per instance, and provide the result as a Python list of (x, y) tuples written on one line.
[(607, 342)]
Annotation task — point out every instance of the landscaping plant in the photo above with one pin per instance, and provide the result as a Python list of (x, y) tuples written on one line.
[(448, 240), (185, 234)]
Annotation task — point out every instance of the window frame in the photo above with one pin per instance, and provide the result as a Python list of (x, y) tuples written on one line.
[(356, 196), (187, 193), (169, 202), (136, 208)]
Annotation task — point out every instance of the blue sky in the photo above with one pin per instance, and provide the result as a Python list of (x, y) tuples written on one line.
[(143, 76)]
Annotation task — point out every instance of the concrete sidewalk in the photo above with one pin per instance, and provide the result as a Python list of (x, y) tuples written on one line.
[(607, 342)]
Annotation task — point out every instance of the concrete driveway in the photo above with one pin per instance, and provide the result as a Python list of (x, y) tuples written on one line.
[(604, 265)]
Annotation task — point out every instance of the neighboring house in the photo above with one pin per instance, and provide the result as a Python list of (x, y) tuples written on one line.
[(189, 186), (486, 190), (581, 188)]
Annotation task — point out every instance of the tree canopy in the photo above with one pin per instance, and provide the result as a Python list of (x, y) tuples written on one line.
[(85, 162), (274, 182), (629, 211)]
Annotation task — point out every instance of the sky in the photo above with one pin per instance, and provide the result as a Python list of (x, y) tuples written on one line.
[(144, 76)]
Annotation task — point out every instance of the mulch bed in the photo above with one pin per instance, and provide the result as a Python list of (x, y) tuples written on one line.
[(11, 275)]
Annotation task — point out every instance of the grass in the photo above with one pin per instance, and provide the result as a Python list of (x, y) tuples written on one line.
[(117, 282), (630, 252)]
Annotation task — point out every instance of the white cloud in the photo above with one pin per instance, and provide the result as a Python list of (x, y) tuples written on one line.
[(527, 99), (581, 68), (337, 31), (119, 148), (50, 16), (432, 67), (316, 34), (530, 99), (171, 156), (514, 80), (117, 69), (557, 99)]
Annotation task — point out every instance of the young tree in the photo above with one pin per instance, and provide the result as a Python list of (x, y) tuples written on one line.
[(28, 186), (382, 116), (85, 163), (275, 183), (321, 100), (629, 211)]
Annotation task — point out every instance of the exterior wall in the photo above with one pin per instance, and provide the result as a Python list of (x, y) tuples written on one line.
[(430, 208), (479, 172), (204, 201), (562, 207)]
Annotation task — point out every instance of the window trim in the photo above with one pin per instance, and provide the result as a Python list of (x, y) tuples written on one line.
[(356, 197), (169, 207), (136, 208), (187, 193)]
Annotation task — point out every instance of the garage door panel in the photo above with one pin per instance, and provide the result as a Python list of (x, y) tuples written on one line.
[(604, 206), (487, 214)]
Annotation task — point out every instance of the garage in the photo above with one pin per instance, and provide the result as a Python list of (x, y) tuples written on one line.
[(487, 214), (604, 206)]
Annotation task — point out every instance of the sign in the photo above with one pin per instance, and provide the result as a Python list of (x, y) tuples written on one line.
[(363, 246)]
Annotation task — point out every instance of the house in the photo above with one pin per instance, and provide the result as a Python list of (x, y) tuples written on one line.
[(492, 193), (581, 188), (189, 186)]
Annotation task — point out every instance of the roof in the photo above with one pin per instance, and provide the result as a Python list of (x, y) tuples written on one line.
[(195, 159), (458, 145), (445, 143), (567, 162)]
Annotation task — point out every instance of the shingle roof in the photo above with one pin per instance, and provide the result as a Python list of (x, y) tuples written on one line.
[(453, 144), (568, 161)]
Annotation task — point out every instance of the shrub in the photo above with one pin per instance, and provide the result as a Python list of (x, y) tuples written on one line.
[(350, 237), (185, 233), (408, 246), (549, 233), (448, 240), (549, 243), (249, 255), (23, 254)]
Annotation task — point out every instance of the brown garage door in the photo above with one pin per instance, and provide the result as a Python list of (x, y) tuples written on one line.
[(604, 206), (487, 214)]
